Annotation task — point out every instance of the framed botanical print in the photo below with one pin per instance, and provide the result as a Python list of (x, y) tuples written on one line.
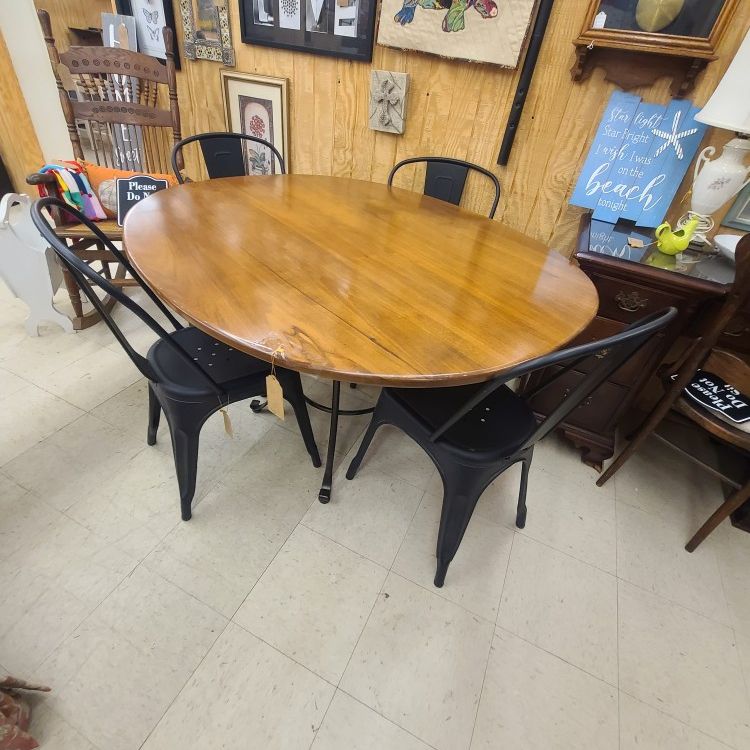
[(259, 106), (341, 28), (738, 216), (151, 16), (206, 27)]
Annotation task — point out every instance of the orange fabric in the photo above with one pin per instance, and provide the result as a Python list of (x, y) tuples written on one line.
[(97, 175)]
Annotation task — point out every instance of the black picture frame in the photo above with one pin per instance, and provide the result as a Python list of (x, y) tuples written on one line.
[(358, 47), (125, 8)]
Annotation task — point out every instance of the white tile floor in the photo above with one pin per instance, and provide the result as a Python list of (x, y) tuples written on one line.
[(270, 621)]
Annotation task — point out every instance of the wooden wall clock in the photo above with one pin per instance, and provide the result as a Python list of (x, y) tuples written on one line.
[(669, 37)]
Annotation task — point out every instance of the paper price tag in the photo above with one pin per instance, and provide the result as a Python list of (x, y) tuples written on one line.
[(275, 396)]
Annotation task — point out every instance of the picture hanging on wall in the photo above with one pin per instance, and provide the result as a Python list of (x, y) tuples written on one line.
[(259, 106), (639, 156), (205, 24), (151, 16), (341, 28), (491, 31)]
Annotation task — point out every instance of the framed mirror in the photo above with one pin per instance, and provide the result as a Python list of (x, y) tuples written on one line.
[(680, 26)]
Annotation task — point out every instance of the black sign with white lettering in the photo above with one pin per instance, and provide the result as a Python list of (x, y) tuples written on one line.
[(716, 394), (132, 190)]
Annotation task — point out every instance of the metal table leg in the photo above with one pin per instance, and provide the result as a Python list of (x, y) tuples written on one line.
[(325, 490)]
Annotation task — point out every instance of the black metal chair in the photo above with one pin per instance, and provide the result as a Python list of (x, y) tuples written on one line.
[(191, 375), (225, 155), (473, 433), (445, 178)]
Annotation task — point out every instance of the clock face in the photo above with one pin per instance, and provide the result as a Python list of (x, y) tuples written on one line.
[(689, 18)]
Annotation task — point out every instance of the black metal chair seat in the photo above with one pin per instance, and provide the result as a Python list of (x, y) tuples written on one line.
[(191, 375), (495, 428), (474, 433), (227, 367)]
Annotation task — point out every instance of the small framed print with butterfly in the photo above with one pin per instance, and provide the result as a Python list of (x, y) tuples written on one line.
[(151, 16)]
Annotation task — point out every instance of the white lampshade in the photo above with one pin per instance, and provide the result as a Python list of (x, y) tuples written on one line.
[(729, 107)]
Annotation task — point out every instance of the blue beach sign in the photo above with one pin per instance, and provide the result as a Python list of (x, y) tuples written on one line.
[(638, 159)]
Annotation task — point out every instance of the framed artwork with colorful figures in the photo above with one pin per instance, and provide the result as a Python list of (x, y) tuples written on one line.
[(491, 31), (341, 28), (259, 106)]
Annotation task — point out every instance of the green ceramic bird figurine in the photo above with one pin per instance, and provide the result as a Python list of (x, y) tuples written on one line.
[(671, 243)]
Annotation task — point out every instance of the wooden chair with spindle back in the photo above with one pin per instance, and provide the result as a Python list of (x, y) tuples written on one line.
[(127, 103), (704, 355)]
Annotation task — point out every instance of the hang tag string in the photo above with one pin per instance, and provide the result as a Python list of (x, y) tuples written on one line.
[(278, 351)]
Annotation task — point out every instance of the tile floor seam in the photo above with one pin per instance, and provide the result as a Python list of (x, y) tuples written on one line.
[(263, 572), (557, 656), (694, 728), (142, 563), (492, 640), (187, 680), (284, 654), (375, 600), (322, 719), (392, 721), (31, 447), (675, 603), (743, 670), (408, 526)]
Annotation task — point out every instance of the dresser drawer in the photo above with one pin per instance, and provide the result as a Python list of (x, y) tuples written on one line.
[(633, 369), (736, 334), (627, 302), (594, 413)]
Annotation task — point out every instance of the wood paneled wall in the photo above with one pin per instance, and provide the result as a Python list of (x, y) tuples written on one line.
[(79, 14), (454, 108), (19, 146)]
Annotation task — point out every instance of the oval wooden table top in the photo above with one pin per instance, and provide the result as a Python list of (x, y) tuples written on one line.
[(354, 280)]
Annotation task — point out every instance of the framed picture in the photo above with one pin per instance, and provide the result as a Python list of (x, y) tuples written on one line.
[(341, 28), (683, 27), (207, 33), (491, 31), (259, 106), (738, 216), (151, 16)]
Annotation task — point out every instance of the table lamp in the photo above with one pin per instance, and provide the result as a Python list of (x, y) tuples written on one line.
[(718, 181)]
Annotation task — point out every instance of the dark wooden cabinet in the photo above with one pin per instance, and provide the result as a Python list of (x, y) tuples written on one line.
[(628, 291)]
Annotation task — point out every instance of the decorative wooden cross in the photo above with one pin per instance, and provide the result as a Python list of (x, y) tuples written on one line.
[(384, 99)]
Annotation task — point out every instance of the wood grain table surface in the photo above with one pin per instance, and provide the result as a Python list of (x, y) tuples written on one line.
[(356, 281)]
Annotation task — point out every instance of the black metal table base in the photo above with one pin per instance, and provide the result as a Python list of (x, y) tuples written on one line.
[(335, 411)]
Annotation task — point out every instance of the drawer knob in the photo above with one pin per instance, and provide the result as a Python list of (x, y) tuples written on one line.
[(630, 301)]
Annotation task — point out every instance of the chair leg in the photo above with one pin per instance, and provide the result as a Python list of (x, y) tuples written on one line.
[(521, 510), (324, 495), (727, 507), (185, 446), (462, 488), (291, 385), (372, 428), (185, 423), (154, 414)]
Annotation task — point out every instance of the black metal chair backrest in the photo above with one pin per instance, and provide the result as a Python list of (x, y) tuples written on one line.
[(229, 155), (445, 178), (87, 277), (612, 352)]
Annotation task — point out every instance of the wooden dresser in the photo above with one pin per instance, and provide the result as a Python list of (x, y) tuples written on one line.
[(630, 286)]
